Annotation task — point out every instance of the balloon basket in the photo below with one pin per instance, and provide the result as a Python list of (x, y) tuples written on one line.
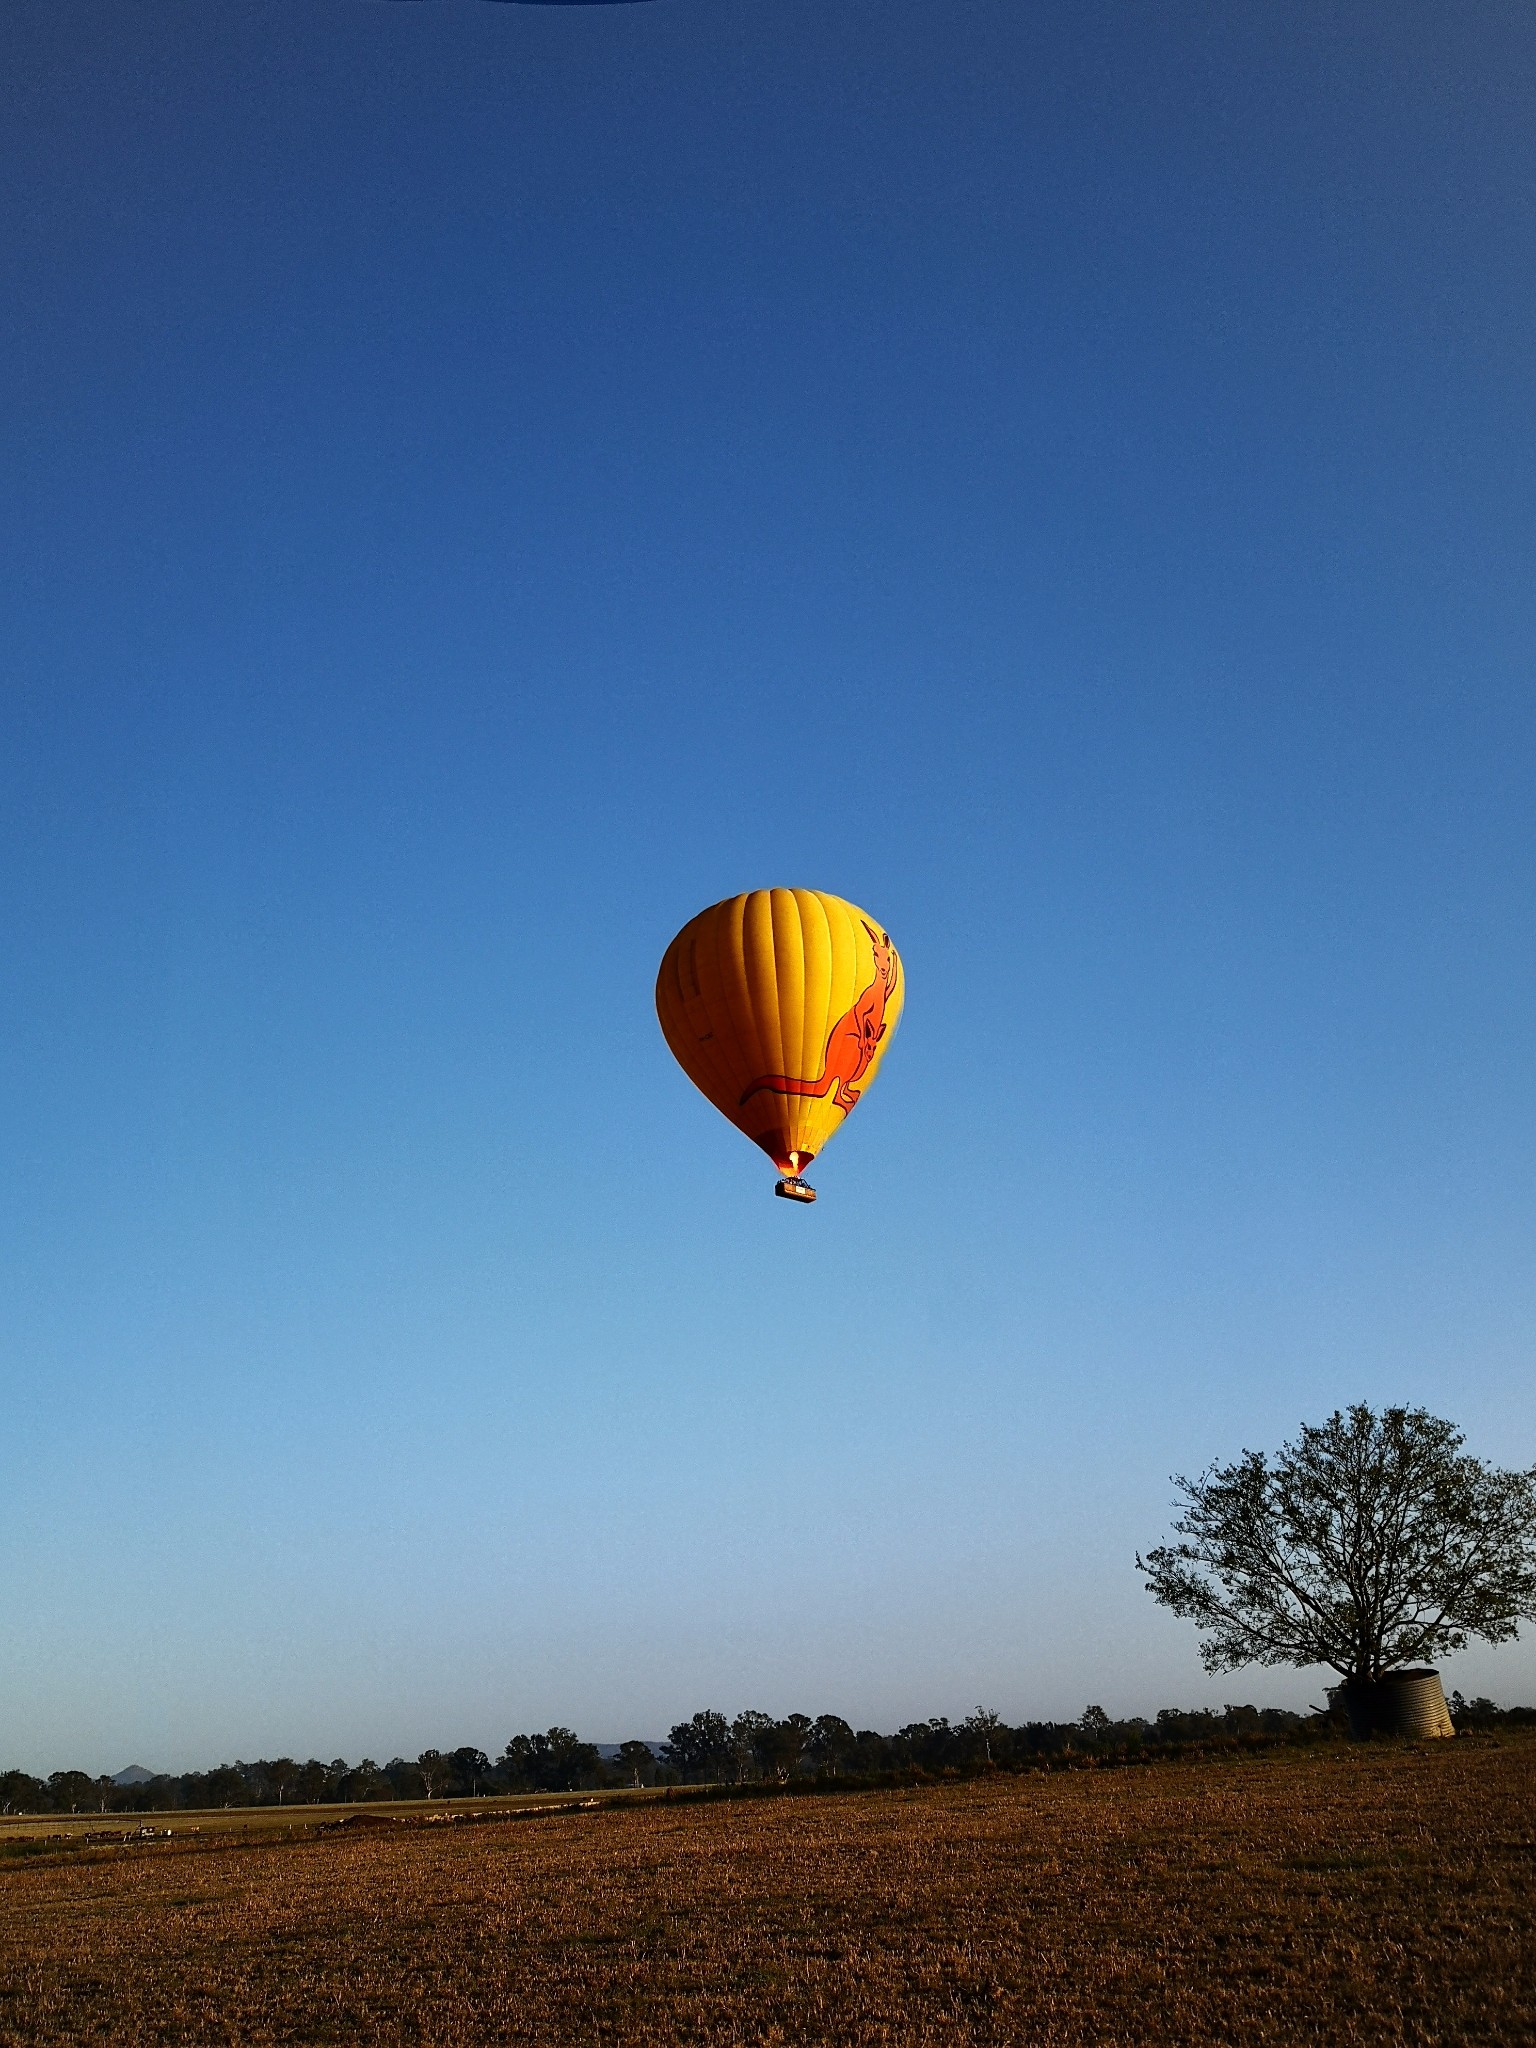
[(793, 1189)]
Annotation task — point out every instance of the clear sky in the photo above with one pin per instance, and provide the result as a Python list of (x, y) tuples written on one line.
[(483, 482)]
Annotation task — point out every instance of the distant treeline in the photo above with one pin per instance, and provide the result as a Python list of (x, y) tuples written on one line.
[(753, 1748)]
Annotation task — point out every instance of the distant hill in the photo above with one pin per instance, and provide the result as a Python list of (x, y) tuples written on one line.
[(134, 1775)]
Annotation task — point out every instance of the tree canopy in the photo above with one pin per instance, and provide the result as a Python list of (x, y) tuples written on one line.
[(1371, 1542)]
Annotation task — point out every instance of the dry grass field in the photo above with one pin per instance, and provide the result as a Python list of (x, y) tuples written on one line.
[(1347, 1896)]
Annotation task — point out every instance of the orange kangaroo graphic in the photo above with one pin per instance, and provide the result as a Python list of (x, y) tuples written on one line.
[(851, 1042)]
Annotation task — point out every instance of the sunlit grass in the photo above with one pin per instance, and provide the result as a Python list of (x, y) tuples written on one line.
[(1344, 1895)]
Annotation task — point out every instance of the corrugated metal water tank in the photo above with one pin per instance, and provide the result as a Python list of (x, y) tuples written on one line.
[(1401, 1703)]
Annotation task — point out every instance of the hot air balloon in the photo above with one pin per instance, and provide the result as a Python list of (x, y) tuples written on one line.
[(779, 1005)]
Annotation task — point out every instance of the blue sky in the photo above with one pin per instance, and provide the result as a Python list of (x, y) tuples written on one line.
[(482, 483)]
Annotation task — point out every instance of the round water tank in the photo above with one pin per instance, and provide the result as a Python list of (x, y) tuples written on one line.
[(1401, 1703)]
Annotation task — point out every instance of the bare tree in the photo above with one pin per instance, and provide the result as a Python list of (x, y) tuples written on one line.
[(983, 1724), (1371, 1542)]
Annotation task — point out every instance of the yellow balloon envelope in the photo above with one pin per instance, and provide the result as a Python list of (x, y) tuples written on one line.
[(779, 1006)]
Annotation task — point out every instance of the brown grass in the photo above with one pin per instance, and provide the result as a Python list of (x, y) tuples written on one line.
[(1347, 1896), (68, 1828)]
